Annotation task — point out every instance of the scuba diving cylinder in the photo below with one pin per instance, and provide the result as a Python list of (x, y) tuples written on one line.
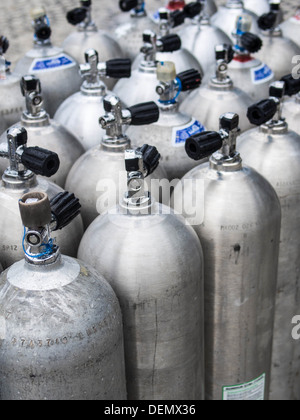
[(19, 178), (143, 81), (129, 33), (240, 232), (45, 132), (57, 71), (12, 103), (173, 5), (61, 325), (79, 113), (216, 97), (98, 178), (226, 17), (248, 73), (161, 297), (258, 7), (274, 151), (291, 103), (199, 37), (277, 51), (291, 27), (182, 58), (172, 129), (87, 35)]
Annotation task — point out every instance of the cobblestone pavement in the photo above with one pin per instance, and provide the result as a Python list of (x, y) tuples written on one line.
[(15, 21)]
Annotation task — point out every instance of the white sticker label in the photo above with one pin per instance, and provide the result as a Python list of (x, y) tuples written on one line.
[(52, 63), (261, 74), (181, 134), (251, 391), (296, 18)]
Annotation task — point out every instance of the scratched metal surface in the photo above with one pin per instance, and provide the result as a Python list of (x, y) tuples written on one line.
[(15, 22)]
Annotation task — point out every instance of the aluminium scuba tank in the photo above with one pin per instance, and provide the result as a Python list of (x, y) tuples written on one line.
[(61, 330), (44, 131), (291, 103), (199, 37), (274, 151), (20, 178), (57, 71), (142, 83), (238, 222), (227, 14), (172, 129), (79, 113), (98, 178), (216, 97), (291, 27), (12, 103), (173, 5), (248, 73), (153, 261), (277, 51), (182, 58), (130, 32), (258, 7), (87, 35)]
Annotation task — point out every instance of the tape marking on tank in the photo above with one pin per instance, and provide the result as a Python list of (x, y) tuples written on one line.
[(296, 18), (51, 63), (261, 74), (181, 134), (254, 390)]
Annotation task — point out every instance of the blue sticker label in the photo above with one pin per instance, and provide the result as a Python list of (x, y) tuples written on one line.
[(52, 63), (261, 74), (183, 133)]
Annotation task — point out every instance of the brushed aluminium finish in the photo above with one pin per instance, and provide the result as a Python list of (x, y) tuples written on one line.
[(99, 179), (291, 27), (51, 135), (11, 227), (154, 264), (79, 41), (240, 239), (61, 334), (12, 103), (259, 7), (291, 112), (208, 102), (276, 156), (57, 83)]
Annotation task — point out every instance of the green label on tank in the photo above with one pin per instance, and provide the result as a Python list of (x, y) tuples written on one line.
[(250, 391)]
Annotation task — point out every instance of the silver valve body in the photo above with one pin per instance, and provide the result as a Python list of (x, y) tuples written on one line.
[(31, 89)]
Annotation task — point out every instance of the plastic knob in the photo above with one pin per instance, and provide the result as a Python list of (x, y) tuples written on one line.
[(118, 68), (76, 16), (292, 85), (43, 32), (64, 207), (262, 112), (267, 21), (151, 158), (144, 113), (203, 145), (192, 10), (40, 161), (86, 3), (4, 44), (190, 79), (30, 84), (224, 52), (229, 121), (251, 42), (177, 18), (20, 136), (171, 43), (127, 5), (35, 210)]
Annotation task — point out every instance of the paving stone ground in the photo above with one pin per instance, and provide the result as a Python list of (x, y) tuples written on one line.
[(15, 21)]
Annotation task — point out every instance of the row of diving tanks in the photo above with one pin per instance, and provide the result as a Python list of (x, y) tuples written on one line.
[(182, 296)]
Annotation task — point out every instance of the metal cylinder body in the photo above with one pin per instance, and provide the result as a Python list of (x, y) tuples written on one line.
[(158, 280), (200, 38), (259, 7), (212, 100), (61, 334), (12, 103), (276, 156), (98, 179), (80, 114), (51, 135), (252, 76), (78, 42), (226, 17), (168, 135), (240, 237), (58, 73), (12, 230), (291, 27), (291, 112), (278, 52)]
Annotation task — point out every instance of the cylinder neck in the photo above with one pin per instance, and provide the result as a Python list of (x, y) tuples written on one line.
[(45, 252), (88, 25), (222, 163), (19, 180)]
